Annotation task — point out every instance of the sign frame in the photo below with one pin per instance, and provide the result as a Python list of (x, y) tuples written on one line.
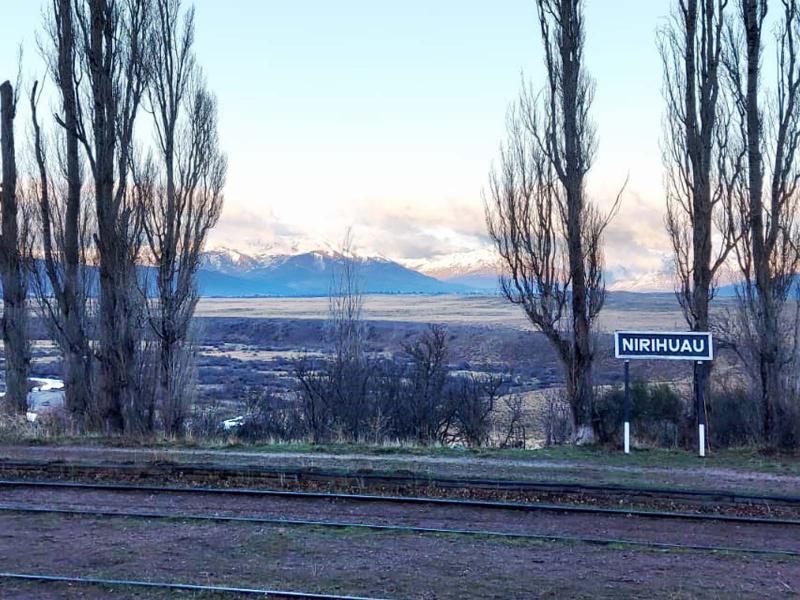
[(707, 335)]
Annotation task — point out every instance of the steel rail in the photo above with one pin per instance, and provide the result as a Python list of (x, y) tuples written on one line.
[(390, 528), (419, 479), (266, 593), (455, 502)]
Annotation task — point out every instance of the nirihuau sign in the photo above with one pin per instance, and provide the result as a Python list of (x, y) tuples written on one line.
[(630, 345)]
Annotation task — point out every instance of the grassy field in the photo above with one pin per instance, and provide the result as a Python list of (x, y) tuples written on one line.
[(623, 310)]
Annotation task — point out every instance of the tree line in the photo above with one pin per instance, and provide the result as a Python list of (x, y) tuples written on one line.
[(106, 227), (730, 155)]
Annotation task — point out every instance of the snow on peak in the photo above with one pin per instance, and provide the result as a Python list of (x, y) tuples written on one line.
[(482, 261), (654, 281)]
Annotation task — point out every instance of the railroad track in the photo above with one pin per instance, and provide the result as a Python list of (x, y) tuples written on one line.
[(411, 500), (490, 534), (785, 551), (175, 587), (393, 480), (197, 510)]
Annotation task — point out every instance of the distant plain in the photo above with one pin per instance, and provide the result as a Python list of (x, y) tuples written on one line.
[(622, 310)]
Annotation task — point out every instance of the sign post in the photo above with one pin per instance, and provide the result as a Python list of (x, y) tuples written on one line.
[(696, 346), (701, 407), (627, 422)]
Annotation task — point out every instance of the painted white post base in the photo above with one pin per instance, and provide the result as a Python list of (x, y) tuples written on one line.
[(702, 439), (627, 437)]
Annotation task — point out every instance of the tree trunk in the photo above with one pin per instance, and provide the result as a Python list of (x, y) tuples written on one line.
[(14, 293), (691, 52), (118, 344), (75, 348), (116, 77), (172, 411), (574, 187), (581, 394), (77, 378)]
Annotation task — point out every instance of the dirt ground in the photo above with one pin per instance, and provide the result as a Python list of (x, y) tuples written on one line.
[(625, 527), (392, 564), (372, 564)]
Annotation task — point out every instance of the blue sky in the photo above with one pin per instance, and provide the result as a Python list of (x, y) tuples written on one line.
[(386, 115)]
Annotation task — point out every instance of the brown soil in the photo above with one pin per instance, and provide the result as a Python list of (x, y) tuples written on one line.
[(706, 533), (388, 565)]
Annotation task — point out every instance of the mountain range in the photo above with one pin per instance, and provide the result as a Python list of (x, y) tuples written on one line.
[(227, 272)]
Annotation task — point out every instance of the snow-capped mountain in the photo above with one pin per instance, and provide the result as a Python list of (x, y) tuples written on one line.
[(621, 279), (477, 269), (226, 272), (653, 282), (272, 271), (228, 260)]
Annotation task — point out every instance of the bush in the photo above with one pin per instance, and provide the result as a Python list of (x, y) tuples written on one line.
[(555, 418), (656, 414), (512, 422), (53, 424), (336, 397), (413, 397), (14, 428), (50, 425), (206, 423), (269, 418), (473, 399), (427, 409), (734, 417)]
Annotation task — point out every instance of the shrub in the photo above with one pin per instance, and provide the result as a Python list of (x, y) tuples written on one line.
[(206, 423), (426, 411), (269, 418), (734, 417), (14, 428), (336, 397), (555, 418), (412, 397), (473, 399), (512, 422), (656, 413)]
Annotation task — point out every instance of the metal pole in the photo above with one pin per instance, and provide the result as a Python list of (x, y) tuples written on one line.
[(701, 409), (627, 423)]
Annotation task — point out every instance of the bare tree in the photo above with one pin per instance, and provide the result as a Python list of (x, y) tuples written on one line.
[(111, 50), (473, 398), (513, 420), (548, 235), (62, 281), (348, 372), (768, 252), (14, 322), (427, 410), (346, 303), (336, 392), (185, 196), (701, 169)]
